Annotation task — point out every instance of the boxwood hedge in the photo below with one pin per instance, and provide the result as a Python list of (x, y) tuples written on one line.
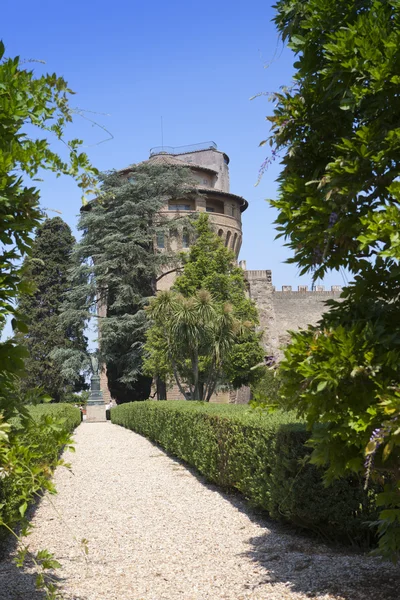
[(263, 456)]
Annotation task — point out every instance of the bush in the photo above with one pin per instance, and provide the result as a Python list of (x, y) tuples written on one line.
[(30, 455), (262, 455), (266, 389)]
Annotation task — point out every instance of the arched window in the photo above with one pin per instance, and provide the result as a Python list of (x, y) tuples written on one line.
[(220, 233), (234, 242), (228, 238), (185, 239)]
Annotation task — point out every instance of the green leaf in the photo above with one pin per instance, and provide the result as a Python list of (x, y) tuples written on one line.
[(22, 509)]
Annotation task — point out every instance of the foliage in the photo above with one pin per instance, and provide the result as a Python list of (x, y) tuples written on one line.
[(338, 126), (339, 207), (29, 452), (32, 111), (266, 390), (27, 105), (198, 335), (117, 264), (47, 268), (208, 266), (262, 455)]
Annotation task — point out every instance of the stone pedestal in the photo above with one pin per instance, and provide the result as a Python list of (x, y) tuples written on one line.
[(95, 408), (95, 413)]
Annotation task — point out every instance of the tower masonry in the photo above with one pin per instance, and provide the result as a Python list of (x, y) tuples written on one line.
[(285, 310), (210, 171)]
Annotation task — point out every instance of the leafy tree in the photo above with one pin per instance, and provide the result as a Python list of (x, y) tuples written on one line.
[(198, 335), (210, 266), (338, 126), (117, 264), (32, 111), (47, 268), (27, 105)]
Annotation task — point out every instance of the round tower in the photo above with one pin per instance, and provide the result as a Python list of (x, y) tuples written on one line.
[(210, 171)]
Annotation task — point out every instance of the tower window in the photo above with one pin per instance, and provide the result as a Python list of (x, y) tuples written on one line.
[(160, 240), (228, 237), (209, 209), (179, 207), (185, 240), (234, 241)]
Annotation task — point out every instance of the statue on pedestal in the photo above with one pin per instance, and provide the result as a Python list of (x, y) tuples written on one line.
[(94, 363), (96, 395)]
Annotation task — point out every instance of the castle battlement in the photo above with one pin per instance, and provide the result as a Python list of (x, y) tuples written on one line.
[(303, 289), (261, 274)]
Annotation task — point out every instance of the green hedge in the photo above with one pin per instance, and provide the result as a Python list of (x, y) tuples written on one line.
[(67, 414), (34, 447), (262, 456)]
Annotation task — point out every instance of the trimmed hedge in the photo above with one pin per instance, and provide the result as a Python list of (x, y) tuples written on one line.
[(261, 455), (67, 414), (35, 448)]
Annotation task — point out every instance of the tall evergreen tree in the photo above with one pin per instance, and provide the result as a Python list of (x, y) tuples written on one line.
[(47, 268), (210, 266), (117, 263)]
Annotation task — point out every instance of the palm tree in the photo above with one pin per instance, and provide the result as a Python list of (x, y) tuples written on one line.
[(196, 336)]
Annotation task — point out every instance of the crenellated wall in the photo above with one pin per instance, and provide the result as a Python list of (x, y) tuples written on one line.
[(282, 311)]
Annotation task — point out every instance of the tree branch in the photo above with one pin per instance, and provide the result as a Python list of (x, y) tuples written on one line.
[(168, 272)]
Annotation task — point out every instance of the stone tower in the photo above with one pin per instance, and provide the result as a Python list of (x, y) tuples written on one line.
[(279, 311), (210, 171)]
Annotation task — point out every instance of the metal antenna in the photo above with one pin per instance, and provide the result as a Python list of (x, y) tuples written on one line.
[(162, 134)]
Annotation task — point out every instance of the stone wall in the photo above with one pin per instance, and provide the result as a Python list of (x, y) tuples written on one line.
[(281, 311), (211, 159)]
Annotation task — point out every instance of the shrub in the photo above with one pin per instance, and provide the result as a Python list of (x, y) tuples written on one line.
[(30, 455), (266, 389), (262, 455)]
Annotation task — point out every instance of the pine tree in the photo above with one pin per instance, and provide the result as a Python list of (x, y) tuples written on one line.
[(47, 268), (117, 264)]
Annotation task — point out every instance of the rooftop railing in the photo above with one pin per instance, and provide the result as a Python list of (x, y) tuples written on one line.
[(183, 149)]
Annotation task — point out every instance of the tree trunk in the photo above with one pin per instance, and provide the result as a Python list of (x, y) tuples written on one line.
[(161, 389), (195, 369), (201, 390)]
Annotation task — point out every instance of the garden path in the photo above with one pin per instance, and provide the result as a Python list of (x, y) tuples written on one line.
[(156, 531)]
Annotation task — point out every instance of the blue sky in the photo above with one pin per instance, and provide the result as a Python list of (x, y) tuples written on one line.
[(194, 64)]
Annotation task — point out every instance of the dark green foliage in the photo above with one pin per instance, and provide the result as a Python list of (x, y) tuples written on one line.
[(338, 126), (48, 269), (34, 113), (261, 455), (209, 266), (117, 264), (32, 109), (338, 129), (34, 446), (266, 389)]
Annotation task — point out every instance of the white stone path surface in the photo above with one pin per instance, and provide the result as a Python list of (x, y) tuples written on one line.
[(157, 531)]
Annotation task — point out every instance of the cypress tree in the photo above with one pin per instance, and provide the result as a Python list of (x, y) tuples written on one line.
[(47, 267)]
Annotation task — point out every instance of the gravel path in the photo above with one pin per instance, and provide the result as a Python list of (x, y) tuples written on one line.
[(157, 531)]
